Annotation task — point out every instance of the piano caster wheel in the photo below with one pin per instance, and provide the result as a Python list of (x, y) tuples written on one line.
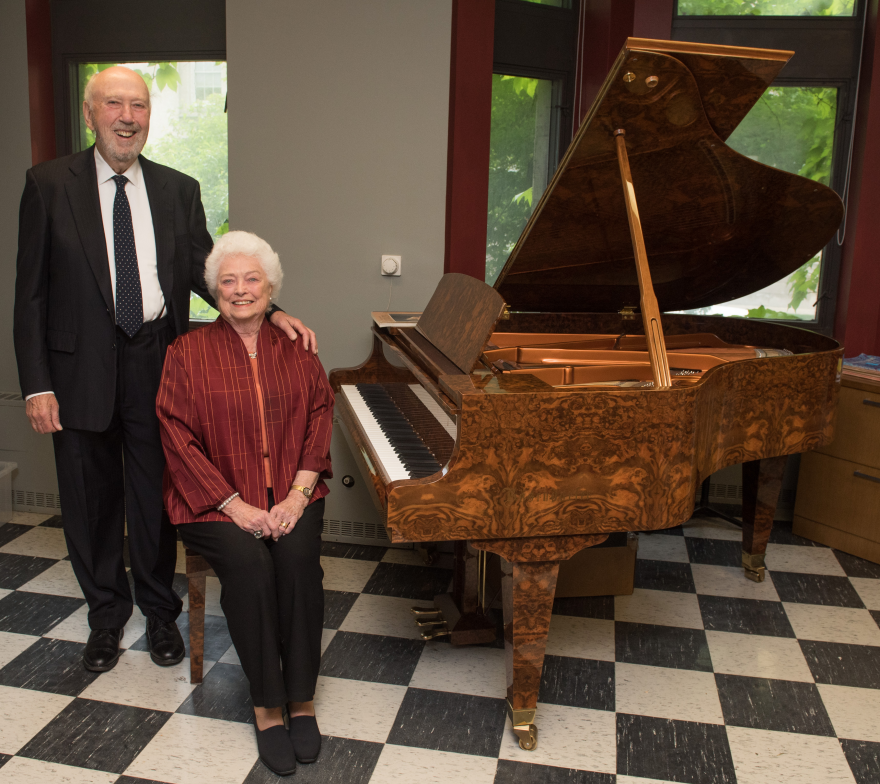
[(753, 566), (528, 736)]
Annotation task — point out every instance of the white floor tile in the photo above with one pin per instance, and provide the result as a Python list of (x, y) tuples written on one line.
[(757, 656), (58, 580), (346, 574), (568, 738), (731, 581), (764, 757), (13, 644), (231, 656), (180, 566), (21, 770), (28, 518), (212, 597), (581, 638), (4, 592), (806, 560), (76, 627), (404, 765), (662, 547), (855, 713), (712, 528), (357, 709), (40, 542), (869, 590), (832, 624), (466, 670), (136, 681), (685, 695), (23, 713), (194, 750), (388, 615), (411, 557), (327, 636), (663, 608)]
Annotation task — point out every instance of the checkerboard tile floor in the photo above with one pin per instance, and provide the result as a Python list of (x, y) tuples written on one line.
[(700, 676)]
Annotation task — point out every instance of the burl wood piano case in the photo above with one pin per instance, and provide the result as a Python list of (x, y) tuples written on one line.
[(534, 418)]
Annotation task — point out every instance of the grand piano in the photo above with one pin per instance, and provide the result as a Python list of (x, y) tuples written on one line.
[(535, 418)]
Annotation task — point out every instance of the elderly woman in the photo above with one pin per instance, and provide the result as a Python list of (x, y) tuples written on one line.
[(246, 421)]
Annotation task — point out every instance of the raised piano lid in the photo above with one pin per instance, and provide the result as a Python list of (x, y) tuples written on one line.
[(717, 225)]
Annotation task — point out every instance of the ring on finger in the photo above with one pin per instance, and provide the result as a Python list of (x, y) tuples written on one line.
[(258, 534)]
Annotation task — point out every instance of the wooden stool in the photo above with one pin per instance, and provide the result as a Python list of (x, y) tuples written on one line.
[(197, 569)]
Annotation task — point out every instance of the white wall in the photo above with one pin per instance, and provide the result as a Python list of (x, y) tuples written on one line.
[(337, 154)]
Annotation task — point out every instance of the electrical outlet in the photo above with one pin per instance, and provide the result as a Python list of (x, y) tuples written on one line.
[(390, 265)]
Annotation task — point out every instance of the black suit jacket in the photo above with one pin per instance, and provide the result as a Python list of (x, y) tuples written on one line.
[(64, 322)]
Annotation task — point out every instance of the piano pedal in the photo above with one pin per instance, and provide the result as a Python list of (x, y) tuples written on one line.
[(426, 624), (423, 612), (437, 631)]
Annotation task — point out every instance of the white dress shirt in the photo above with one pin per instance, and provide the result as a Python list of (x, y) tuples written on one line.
[(144, 236)]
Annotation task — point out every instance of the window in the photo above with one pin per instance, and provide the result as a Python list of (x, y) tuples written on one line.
[(532, 87), (187, 132), (802, 124)]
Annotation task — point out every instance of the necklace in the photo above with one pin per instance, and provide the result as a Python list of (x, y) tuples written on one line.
[(252, 356)]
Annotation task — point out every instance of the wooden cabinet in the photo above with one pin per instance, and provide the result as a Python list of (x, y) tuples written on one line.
[(838, 497)]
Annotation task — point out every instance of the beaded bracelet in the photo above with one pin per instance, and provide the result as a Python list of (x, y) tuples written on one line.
[(234, 495)]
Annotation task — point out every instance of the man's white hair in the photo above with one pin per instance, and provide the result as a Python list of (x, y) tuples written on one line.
[(89, 92), (243, 243)]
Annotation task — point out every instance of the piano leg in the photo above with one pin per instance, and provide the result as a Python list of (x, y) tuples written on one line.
[(528, 590), (762, 481)]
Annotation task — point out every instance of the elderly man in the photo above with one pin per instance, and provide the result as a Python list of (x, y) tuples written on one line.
[(110, 246)]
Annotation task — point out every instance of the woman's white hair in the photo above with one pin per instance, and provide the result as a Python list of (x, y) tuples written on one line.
[(243, 243)]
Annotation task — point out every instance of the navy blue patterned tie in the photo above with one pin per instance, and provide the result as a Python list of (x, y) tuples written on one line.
[(129, 300)]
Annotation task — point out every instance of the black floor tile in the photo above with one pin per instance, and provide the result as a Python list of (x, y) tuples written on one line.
[(445, 721), (96, 735), (673, 750), (661, 646), (132, 780), (664, 576), (217, 639), (854, 566), (16, 570), (180, 585), (342, 761), (336, 607), (875, 614), (816, 589), (744, 616), (360, 552), (53, 522), (10, 531), (421, 583), (371, 657), (717, 552), (223, 694), (578, 683), (4, 758), (601, 607), (779, 706), (864, 760), (842, 664), (781, 533), (49, 665), (510, 772), (35, 613)]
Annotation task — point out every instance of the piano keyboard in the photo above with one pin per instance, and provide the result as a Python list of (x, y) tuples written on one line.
[(395, 443)]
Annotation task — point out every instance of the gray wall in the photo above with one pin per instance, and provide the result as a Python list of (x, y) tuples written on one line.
[(337, 155), (18, 443)]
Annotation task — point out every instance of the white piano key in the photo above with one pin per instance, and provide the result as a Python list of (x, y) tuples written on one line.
[(434, 407), (382, 448)]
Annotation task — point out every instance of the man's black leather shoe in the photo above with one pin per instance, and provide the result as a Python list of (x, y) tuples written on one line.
[(165, 642), (102, 650)]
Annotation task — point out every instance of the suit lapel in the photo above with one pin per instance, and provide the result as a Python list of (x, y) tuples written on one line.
[(82, 193), (162, 210)]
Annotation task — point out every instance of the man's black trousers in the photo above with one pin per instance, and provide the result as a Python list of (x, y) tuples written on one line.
[(109, 477)]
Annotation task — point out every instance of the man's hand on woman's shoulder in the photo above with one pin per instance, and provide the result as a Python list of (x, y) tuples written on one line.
[(294, 328)]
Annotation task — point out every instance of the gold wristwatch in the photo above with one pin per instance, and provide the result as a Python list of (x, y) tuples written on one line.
[(306, 491)]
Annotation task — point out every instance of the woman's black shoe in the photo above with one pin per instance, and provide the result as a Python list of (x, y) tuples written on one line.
[(275, 749), (305, 737)]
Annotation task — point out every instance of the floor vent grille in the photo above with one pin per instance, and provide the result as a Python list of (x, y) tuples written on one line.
[(34, 501), (343, 530)]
